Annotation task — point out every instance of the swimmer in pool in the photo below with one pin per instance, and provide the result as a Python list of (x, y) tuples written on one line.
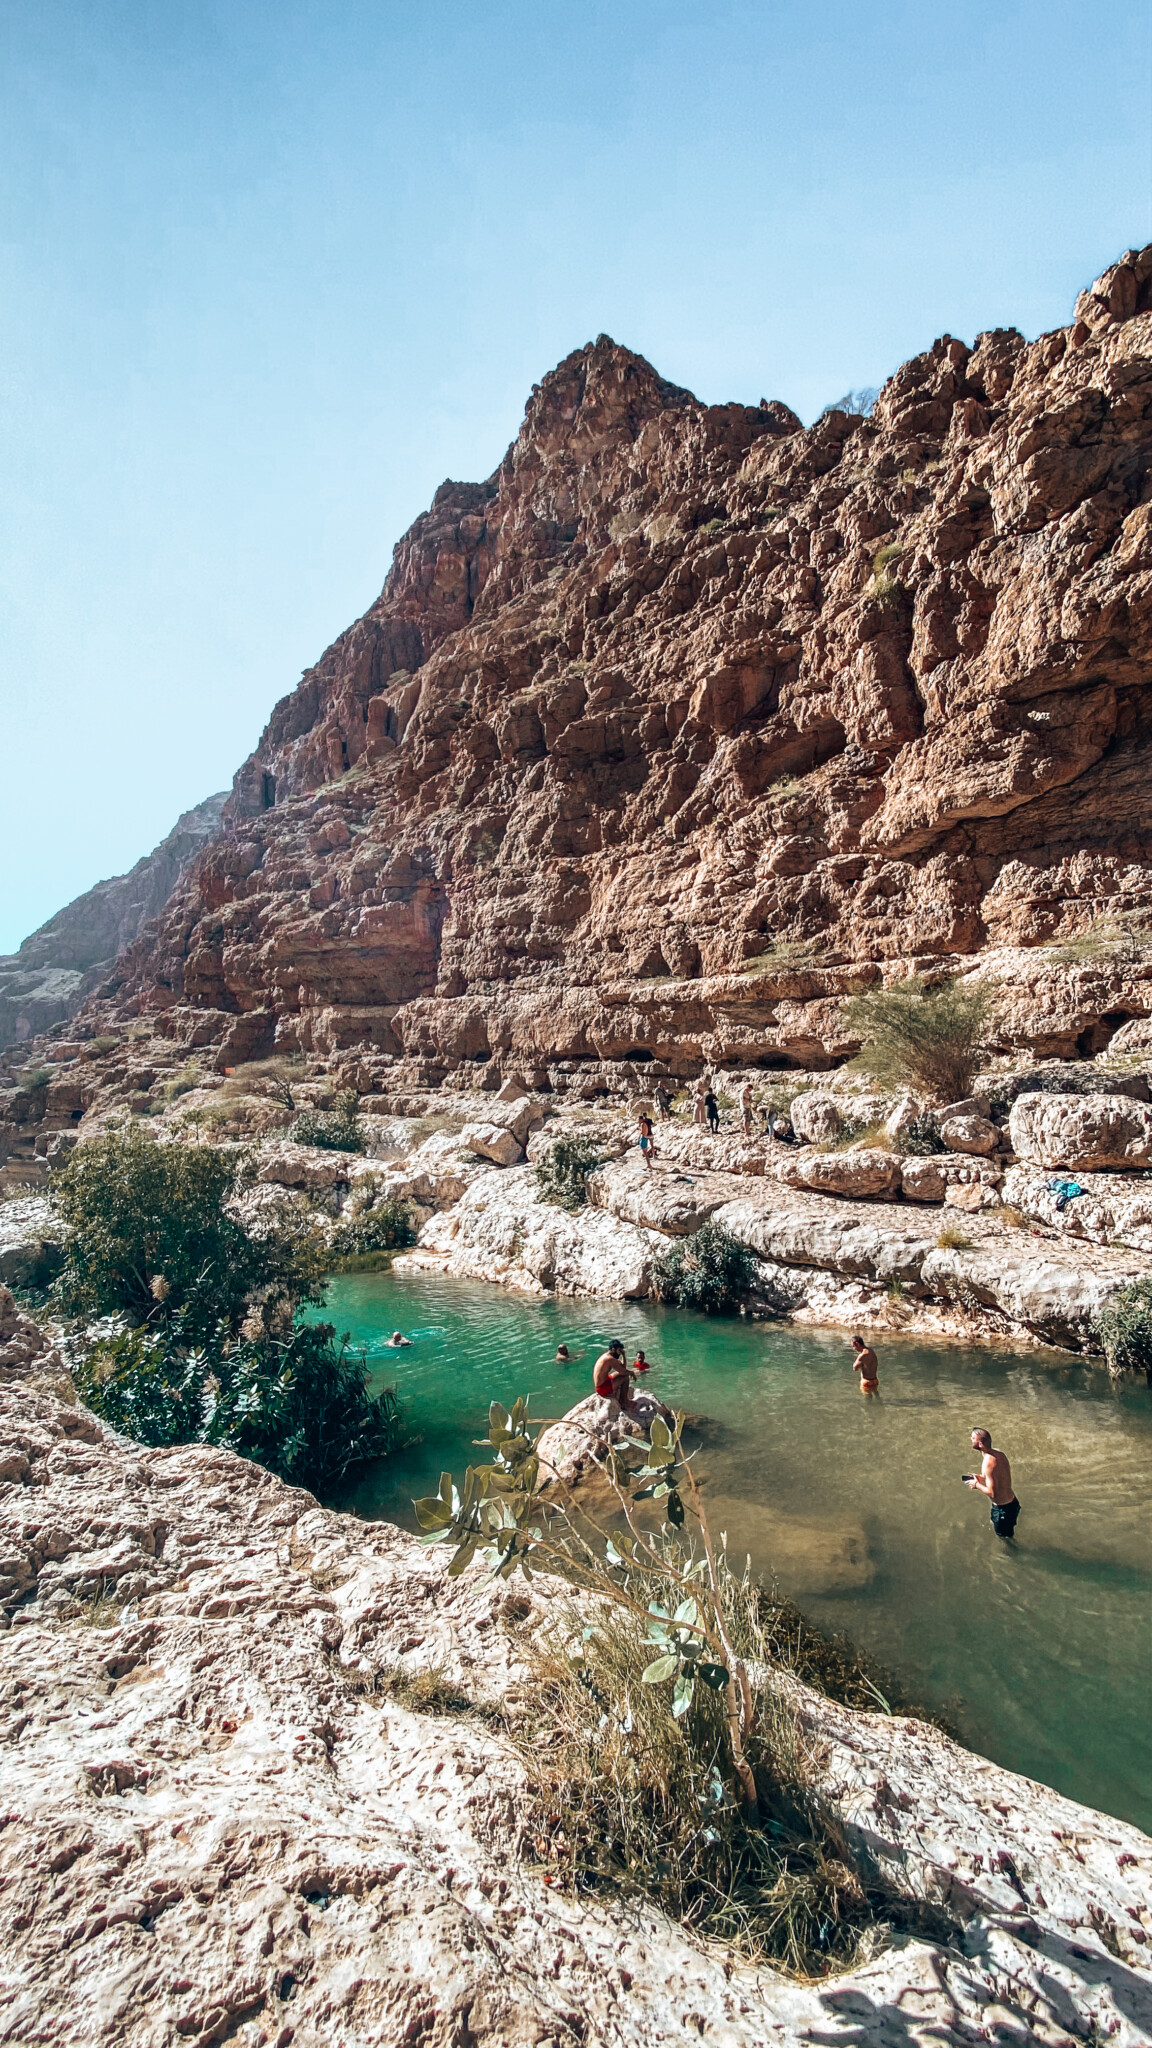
[(995, 1479), (563, 1355), (397, 1339), (865, 1364)]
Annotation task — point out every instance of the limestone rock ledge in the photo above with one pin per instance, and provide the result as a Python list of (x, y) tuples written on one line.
[(213, 1832)]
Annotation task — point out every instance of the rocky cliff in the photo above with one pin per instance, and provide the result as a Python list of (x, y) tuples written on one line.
[(47, 980), (690, 718)]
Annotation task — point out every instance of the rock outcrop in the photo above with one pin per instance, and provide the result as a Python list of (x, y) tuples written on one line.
[(61, 963), (220, 1823), (690, 721)]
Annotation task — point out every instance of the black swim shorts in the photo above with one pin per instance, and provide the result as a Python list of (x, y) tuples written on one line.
[(1004, 1519)]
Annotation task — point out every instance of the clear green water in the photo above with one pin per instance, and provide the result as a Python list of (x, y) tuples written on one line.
[(1041, 1654)]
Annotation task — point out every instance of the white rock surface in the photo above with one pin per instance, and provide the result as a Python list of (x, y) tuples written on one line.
[(860, 1173), (1056, 1297), (1114, 1208), (29, 1241), (286, 1165), (215, 1832), (1082, 1132), (929, 1179), (501, 1231)]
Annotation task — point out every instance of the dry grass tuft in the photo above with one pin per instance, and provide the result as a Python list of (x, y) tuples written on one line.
[(953, 1239), (625, 1797)]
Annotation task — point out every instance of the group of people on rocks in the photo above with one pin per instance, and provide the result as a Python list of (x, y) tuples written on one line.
[(706, 1110)]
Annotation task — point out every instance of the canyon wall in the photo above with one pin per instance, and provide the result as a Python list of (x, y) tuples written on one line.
[(690, 719)]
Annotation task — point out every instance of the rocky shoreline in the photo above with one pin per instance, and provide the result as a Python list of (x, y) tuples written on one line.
[(215, 1828)]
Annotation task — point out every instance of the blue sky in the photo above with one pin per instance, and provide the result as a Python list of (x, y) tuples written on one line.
[(272, 271)]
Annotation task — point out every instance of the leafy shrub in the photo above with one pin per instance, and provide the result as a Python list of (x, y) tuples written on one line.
[(561, 1175), (377, 1227), (34, 1078), (929, 1036), (659, 1759), (298, 1404), (886, 586), (180, 1083), (337, 1129), (149, 1237), (1124, 1327), (711, 1270), (103, 1043), (922, 1137)]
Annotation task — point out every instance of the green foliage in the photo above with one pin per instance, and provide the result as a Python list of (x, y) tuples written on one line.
[(102, 1043), (516, 1517), (931, 1037), (710, 1270), (886, 587), (337, 1129), (652, 1765), (1124, 1328), (34, 1078), (298, 1404), (386, 1226), (149, 1236), (922, 1137), (563, 1171), (180, 1083)]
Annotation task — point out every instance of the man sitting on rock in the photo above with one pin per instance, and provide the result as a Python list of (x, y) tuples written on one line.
[(610, 1375)]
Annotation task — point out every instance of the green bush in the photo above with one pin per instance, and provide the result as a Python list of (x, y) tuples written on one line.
[(1124, 1328), (711, 1270), (149, 1237), (931, 1037), (298, 1404), (381, 1227), (561, 1176), (337, 1129), (922, 1138)]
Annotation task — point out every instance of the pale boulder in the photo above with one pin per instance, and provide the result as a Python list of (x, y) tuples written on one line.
[(303, 1166), (815, 1118), (1085, 1132), (930, 1179), (972, 1197), (969, 1133), (493, 1141), (866, 1172)]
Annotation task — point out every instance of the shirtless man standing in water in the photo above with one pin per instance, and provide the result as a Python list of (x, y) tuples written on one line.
[(995, 1479), (865, 1364)]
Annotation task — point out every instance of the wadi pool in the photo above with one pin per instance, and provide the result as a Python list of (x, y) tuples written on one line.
[(1039, 1653)]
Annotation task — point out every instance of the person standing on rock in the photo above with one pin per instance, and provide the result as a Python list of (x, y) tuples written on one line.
[(746, 1107), (663, 1100), (865, 1364), (699, 1112), (995, 1479), (647, 1142), (712, 1111)]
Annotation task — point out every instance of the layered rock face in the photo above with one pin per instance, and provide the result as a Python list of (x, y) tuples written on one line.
[(690, 719), (47, 980)]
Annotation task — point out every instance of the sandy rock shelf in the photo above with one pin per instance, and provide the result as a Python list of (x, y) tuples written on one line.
[(212, 1833)]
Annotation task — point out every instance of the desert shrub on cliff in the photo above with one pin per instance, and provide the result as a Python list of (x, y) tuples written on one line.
[(337, 1129), (1124, 1328), (656, 1763), (930, 1037), (562, 1173), (711, 1270), (922, 1137), (297, 1402)]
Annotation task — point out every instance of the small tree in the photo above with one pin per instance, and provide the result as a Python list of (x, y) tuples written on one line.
[(711, 1270), (562, 1174), (150, 1236), (1124, 1328), (929, 1037), (517, 1515)]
